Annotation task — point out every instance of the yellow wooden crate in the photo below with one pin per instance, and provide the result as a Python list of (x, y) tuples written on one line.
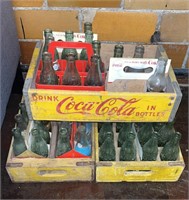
[(48, 104), (30, 167), (136, 171)]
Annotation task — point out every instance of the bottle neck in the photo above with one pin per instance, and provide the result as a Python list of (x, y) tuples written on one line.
[(160, 69), (47, 66), (138, 55)]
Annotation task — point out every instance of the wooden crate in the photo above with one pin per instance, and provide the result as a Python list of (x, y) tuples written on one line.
[(136, 171), (70, 105), (30, 167)]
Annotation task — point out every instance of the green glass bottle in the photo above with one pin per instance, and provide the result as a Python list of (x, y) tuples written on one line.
[(119, 125), (67, 125), (170, 151), (165, 133), (63, 144), (24, 113), (145, 133), (118, 51), (94, 76), (48, 75), (47, 32), (87, 26), (128, 149), (125, 131), (71, 75), (150, 149), (69, 35), (38, 144), (20, 122), (88, 39), (19, 145), (107, 149), (157, 126), (106, 128), (44, 132)]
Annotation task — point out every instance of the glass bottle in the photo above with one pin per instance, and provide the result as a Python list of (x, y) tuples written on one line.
[(47, 31), (69, 35), (71, 75), (20, 122), (107, 149), (48, 75), (145, 133), (128, 149), (82, 140), (170, 151), (139, 51), (96, 44), (119, 125), (106, 128), (38, 144), (63, 144), (87, 26), (150, 149), (94, 76), (88, 39), (118, 51), (19, 145), (67, 125), (24, 113), (165, 133), (157, 82), (157, 126), (125, 131), (44, 132)]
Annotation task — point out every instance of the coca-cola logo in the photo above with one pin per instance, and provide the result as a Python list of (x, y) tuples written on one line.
[(111, 106)]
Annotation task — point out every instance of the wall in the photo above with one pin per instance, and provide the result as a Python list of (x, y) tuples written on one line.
[(126, 21)]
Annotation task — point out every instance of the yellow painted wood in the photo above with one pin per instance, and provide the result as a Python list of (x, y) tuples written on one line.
[(137, 171)]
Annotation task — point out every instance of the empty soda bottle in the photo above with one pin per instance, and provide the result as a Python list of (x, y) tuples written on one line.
[(43, 131), (150, 149), (63, 144), (38, 144), (94, 76), (106, 128), (71, 75), (128, 149), (118, 51), (157, 82), (19, 145), (125, 131), (48, 75), (170, 151), (20, 122), (88, 39), (87, 26), (24, 113), (145, 133), (107, 149), (83, 141), (69, 35), (165, 133)]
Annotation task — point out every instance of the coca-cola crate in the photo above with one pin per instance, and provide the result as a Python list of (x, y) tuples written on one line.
[(89, 105)]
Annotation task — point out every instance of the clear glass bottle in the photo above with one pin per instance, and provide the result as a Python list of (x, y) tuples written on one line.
[(139, 51), (124, 132), (94, 76), (88, 39), (24, 113), (19, 145), (118, 51), (145, 133), (63, 143), (82, 141), (38, 144), (96, 48), (157, 82), (87, 26), (20, 122), (106, 128), (44, 132), (128, 149), (150, 149), (69, 35), (165, 133), (48, 75), (170, 151), (71, 75), (107, 149)]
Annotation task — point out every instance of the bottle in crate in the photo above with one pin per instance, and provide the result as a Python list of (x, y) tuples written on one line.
[(124, 133), (87, 26), (118, 51), (24, 113), (106, 128), (48, 75), (20, 122), (145, 133)]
